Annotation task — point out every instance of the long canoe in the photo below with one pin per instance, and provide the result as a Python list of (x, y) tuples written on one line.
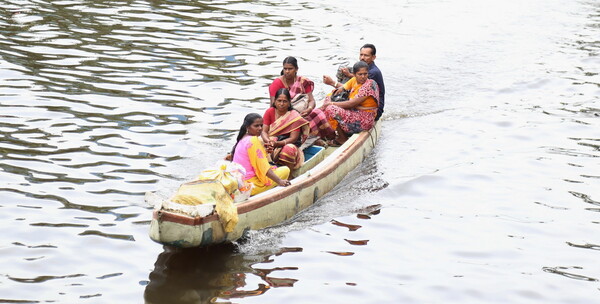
[(321, 173)]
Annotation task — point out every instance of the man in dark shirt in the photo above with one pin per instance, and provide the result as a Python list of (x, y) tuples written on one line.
[(367, 54)]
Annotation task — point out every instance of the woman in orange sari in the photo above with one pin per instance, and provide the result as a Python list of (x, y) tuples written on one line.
[(284, 131), (358, 112)]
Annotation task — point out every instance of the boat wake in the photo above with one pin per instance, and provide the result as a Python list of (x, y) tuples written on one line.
[(355, 194)]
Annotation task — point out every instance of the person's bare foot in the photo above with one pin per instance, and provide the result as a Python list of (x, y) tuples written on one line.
[(334, 143), (320, 142)]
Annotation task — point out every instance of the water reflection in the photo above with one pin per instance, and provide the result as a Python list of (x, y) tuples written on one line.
[(569, 272), (585, 246), (195, 275), (209, 275)]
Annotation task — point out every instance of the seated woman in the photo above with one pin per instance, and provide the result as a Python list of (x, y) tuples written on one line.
[(358, 112), (281, 132), (298, 85), (250, 153)]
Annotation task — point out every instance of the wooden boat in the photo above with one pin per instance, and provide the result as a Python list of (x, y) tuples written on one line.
[(323, 169)]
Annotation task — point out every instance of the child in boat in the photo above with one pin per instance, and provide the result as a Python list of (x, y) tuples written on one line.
[(250, 152)]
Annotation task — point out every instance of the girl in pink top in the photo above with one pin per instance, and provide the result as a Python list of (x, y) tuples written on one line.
[(250, 153)]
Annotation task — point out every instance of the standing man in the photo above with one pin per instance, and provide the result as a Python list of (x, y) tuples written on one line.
[(368, 55)]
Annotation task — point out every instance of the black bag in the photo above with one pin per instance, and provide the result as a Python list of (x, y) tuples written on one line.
[(341, 96)]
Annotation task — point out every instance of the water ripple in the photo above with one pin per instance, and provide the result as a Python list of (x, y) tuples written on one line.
[(490, 120)]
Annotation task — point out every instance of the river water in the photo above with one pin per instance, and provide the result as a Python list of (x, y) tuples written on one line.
[(484, 187)]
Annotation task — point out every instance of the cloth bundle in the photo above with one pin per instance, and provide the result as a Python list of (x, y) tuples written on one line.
[(221, 186)]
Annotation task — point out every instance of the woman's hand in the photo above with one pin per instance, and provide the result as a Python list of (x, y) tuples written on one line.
[(306, 112), (328, 81), (283, 182), (275, 144), (264, 135), (269, 146), (275, 178), (347, 73), (311, 105)]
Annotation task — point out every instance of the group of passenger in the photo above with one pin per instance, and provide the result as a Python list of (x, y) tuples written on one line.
[(276, 136)]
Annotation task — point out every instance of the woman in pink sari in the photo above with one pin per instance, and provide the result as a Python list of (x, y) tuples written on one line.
[(298, 86), (284, 130)]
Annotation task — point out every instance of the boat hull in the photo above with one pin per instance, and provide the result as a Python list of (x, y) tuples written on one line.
[(269, 208)]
